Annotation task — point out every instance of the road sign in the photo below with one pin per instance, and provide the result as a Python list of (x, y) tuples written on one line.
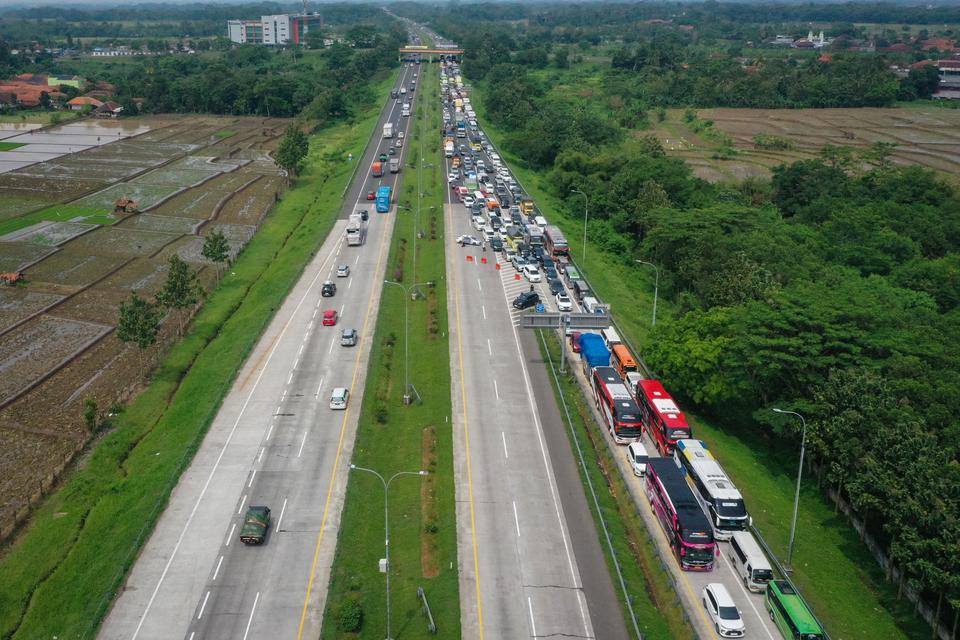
[(587, 321), (540, 321)]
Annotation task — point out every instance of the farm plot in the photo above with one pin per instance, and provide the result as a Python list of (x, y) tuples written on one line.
[(250, 205), (17, 304), (49, 234), (16, 256), (38, 347), (22, 192), (200, 203), (926, 137), (236, 233), (24, 453), (122, 241), (189, 171), (153, 222), (72, 269)]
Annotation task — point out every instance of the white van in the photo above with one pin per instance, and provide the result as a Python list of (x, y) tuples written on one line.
[(610, 336), (749, 561), (540, 221), (637, 456), (590, 304), (339, 398)]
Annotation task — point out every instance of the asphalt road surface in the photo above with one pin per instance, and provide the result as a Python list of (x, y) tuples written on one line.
[(274, 442)]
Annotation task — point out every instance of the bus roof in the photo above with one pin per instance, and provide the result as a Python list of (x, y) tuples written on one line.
[(664, 405), (679, 493), (613, 383), (792, 601), (699, 458), (383, 190)]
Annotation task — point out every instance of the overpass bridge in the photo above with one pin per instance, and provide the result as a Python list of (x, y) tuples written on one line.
[(408, 53)]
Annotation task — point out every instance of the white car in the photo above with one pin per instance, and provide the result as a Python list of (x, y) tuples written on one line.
[(452, 177), (488, 233), (531, 273), (465, 240), (637, 456), (468, 201), (722, 611), (478, 222), (343, 271), (400, 134), (564, 303), (339, 398)]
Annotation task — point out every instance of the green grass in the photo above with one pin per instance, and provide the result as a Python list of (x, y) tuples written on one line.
[(37, 117), (62, 574), (10, 146), (392, 437), (57, 213), (655, 603), (831, 565)]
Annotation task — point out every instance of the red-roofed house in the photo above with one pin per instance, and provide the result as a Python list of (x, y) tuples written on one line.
[(898, 47), (938, 44), (108, 110), (81, 103)]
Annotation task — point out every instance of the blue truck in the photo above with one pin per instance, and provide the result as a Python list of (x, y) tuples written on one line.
[(593, 351), (383, 199)]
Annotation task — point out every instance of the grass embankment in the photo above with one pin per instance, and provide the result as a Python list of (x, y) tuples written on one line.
[(62, 574), (659, 614), (38, 117), (393, 438), (57, 213), (831, 564), (10, 146)]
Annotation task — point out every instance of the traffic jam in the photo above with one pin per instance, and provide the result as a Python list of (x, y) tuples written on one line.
[(692, 499)]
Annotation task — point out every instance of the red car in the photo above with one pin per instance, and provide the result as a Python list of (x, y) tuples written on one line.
[(575, 341), (329, 317), (371, 195)]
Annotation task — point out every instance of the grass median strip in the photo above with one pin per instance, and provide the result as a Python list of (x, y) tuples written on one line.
[(62, 574), (394, 438)]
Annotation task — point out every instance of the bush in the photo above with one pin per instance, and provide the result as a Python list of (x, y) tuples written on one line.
[(350, 616)]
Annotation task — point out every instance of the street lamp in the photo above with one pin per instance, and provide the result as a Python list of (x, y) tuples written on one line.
[(656, 288), (406, 334), (586, 202), (386, 520), (796, 497)]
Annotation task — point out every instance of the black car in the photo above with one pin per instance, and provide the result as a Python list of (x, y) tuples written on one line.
[(546, 262), (526, 300), (539, 254), (364, 215), (555, 285), (328, 290), (551, 273), (496, 244)]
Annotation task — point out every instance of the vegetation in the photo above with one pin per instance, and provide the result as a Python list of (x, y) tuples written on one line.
[(63, 572), (392, 437), (292, 151), (139, 323), (216, 249)]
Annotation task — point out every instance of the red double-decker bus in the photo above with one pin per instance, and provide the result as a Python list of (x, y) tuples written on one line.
[(679, 513), (554, 241), (620, 412), (661, 417)]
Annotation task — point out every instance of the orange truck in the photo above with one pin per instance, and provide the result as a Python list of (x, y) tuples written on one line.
[(377, 169)]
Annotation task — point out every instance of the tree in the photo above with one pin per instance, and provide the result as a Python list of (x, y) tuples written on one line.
[(139, 323), (561, 59), (180, 290), (879, 153), (216, 249), (293, 149)]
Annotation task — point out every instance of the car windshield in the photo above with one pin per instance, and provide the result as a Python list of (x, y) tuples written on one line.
[(729, 613)]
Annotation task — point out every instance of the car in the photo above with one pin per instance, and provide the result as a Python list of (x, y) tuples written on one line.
[(255, 525), (399, 142), (349, 338), (382, 157), (478, 223), (339, 398), (496, 244), (329, 317), (371, 195), (546, 261), (564, 303), (722, 611), (551, 273), (328, 290), (575, 341), (488, 233), (392, 151), (637, 457), (526, 300), (364, 215), (343, 271), (453, 177), (555, 286), (468, 201), (400, 134), (531, 273), (468, 240)]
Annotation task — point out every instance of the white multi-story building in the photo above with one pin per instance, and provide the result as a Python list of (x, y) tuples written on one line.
[(276, 30)]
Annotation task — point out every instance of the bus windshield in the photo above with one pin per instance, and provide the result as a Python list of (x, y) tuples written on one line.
[(698, 554), (762, 575), (730, 509)]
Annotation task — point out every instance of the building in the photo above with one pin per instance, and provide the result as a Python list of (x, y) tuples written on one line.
[(82, 103), (108, 110), (276, 30)]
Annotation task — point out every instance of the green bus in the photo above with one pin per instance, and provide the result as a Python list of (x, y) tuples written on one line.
[(790, 613)]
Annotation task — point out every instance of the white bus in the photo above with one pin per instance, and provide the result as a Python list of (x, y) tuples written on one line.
[(716, 493), (749, 562)]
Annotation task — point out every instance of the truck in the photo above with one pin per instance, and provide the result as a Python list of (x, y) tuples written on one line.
[(356, 230), (383, 199), (534, 236), (377, 169), (255, 525), (526, 206), (593, 351), (448, 148), (388, 130), (394, 165)]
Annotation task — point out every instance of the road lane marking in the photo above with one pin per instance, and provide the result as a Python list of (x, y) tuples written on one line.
[(533, 625), (302, 442), (192, 633), (349, 283), (479, 286), (252, 476), (357, 260), (216, 571), (204, 605), (484, 310), (282, 510), (242, 501), (319, 386), (270, 430), (516, 518), (289, 377), (260, 457), (296, 362), (250, 620), (332, 342), (504, 436), (496, 389), (233, 528), (302, 345)]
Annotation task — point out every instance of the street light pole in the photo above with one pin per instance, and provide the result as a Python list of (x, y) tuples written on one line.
[(406, 334), (656, 289), (586, 203), (386, 521), (796, 497)]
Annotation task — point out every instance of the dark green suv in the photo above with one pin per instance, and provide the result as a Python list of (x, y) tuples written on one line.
[(255, 525)]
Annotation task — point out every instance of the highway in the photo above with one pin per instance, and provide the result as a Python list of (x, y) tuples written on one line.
[(274, 442)]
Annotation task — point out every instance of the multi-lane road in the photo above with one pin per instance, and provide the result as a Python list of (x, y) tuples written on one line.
[(275, 442)]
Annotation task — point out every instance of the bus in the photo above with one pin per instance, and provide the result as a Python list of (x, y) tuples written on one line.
[(715, 492), (661, 417), (554, 241), (790, 613), (623, 361), (687, 529), (383, 199), (617, 406)]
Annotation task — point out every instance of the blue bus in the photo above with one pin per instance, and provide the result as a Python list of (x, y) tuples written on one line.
[(383, 199)]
